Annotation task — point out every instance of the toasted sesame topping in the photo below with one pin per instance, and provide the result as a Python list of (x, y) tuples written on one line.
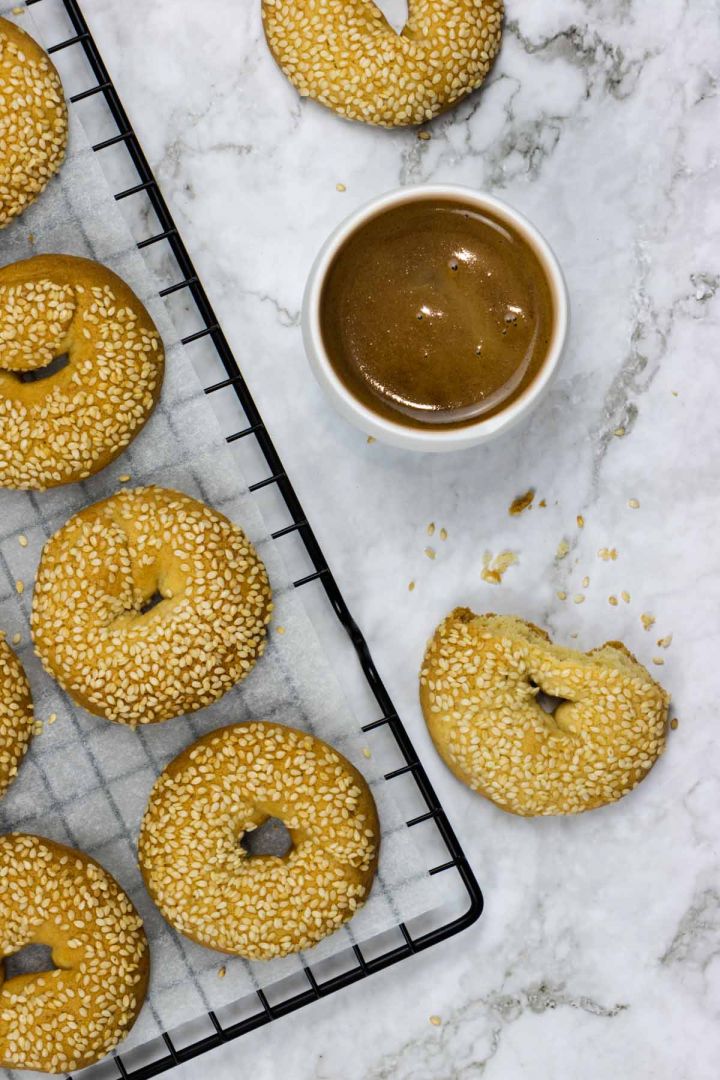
[(16, 719), (66, 426), (479, 684), (62, 1020), (348, 57), (228, 783), (33, 121), (96, 577)]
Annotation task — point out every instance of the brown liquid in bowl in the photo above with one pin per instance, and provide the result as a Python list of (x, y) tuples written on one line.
[(436, 313)]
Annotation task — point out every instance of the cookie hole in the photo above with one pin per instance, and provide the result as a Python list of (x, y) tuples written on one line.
[(153, 601), (271, 838), (547, 702), (396, 13), (59, 363), (32, 960)]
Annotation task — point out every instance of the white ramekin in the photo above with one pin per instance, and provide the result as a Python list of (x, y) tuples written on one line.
[(428, 439)]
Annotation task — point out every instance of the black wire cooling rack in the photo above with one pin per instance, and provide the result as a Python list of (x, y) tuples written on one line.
[(410, 943)]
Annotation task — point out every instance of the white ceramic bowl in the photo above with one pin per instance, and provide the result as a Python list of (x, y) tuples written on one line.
[(428, 439)]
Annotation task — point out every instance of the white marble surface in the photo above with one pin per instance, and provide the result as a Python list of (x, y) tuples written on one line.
[(599, 951)]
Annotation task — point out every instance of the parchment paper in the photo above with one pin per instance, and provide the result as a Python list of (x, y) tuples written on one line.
[(85, 781)]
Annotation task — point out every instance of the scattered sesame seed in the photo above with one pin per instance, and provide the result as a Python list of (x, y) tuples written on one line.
[(580, 521), (674, 723), (585, 582), (608, 554), (340, 187), (625, 596), (52, 718), (222, 972), (22, 540), (424, 136), (16, 639), (613, 600), (124, 478), (578, 598), (435, 1021), (371, 439), (443, 534), (431, 529), (20, 586), (633, 504), (646, 620), (494, 567), (619, 431), (562, 549), (658, 660), (411, 586), (279, 629), (366, 752), (430, 552), (561, 595)]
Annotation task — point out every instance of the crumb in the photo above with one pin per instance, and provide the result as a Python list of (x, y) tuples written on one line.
[(613, 600), (521, 502), (443, 534), (18, 10), (20, 586), (22, 540), (279, 629), (562, 549), (561, 595), (38, 727), (366, 752), (619, 431), (340, 187), (431, 528), (17, 638), (674, 723), (494, 566), (606, 554), (658, 660), (222, 972), (585, 582), (626, 596), (580, 521), (411, 586), (430, 552), (371, 439), (435, 1021), (665, 642), (674, 393), (424, 136), (124, 478), (542, 504), (633, 504), (578, 598), (647, 620), (52, 718)]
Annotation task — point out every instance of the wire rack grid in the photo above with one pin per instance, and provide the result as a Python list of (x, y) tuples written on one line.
[(412, 940)]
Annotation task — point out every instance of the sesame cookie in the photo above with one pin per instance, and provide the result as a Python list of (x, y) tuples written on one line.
[(149, 605), (66, 426), (33, 121), (71, 1016), (479, 687), (348, 57), (16, 715), (224, 786)]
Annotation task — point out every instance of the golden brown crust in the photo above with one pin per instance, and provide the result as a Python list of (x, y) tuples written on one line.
[(230, 782), (72, 1017), (91, 624), (345, 54), (71, 424), (16, 715), (478, 687), (33, 121)]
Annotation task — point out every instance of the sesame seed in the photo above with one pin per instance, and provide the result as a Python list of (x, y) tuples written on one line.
[(647, 620), (562, 549), (578, 598), (674, 723), (20, 586), (561, 595), (435, 1021), (280, 629), (431, 529), (340, 187), (625, 596), (633, 504), (619, 431), (613, 600), (371, 439), (430, 552), (411, 586), (580, 521), (22, 540)]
